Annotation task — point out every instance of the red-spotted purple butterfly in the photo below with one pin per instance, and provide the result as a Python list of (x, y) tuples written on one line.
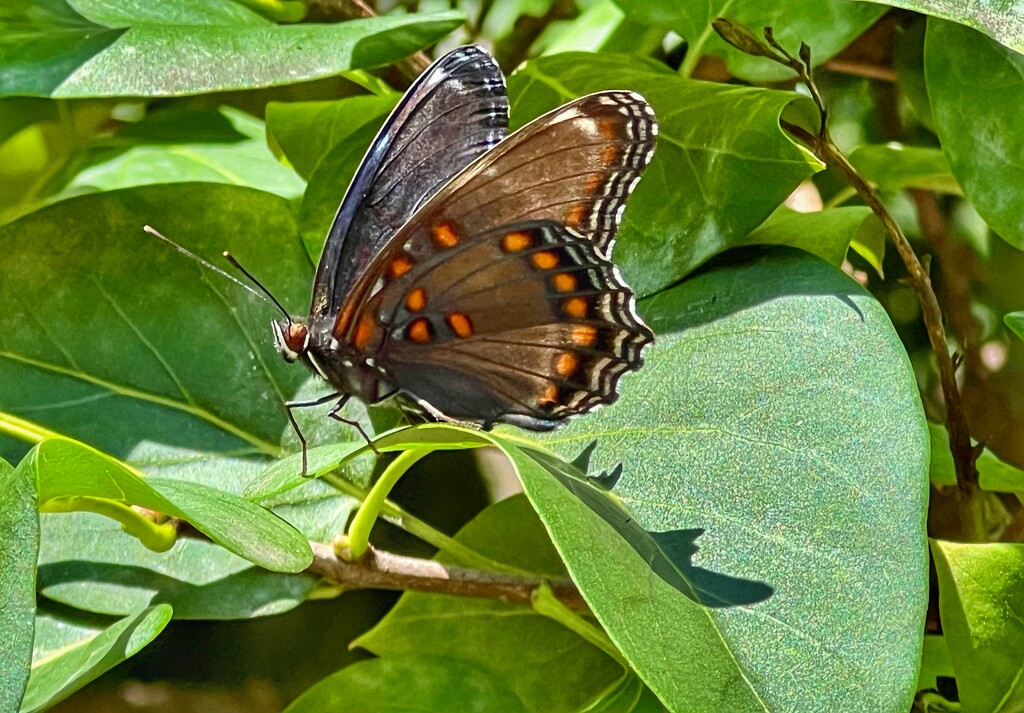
[(468, 271)]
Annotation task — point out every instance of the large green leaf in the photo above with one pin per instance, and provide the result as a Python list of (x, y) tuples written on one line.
[(307, 131), (981, 601), (826, 25), (421, 684), (327, 186), (68, 656), (42, 42), (547, 667), (88, 563), (777, 413), (50, 50), (981, 137), (825, 233), (178, 12), (893, 167), (712, 140), (1002, 20), (111, 336), (1015, 321), (19, 550), (241, 161), (66, 470)]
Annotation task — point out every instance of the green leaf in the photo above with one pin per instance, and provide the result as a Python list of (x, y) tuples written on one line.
[(1015, 321), (547, 666), (327, 186), (130, 341), (1002, 20), (826, 233), (42, 42), (73, 656), (712, 138), (826, 25), (19, 551), (179, 12), (964, 70), (893, 167), (777, 396), (307, 131), (244, 162), (981, 602), (66, 469), (420, 684), (52, 51), (993, 473), (935, 662), (86, 562)]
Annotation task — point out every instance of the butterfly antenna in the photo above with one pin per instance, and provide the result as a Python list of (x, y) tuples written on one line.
[(263, 294), (238, 266)]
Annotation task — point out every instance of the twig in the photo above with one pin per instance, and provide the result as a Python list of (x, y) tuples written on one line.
[(383, 570), (964, 454)]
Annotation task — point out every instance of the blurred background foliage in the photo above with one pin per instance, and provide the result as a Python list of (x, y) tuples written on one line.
[(93, 99)]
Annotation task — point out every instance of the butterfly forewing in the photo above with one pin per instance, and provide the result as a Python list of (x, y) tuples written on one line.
[(528, 323), (575, 165), (455, 112)]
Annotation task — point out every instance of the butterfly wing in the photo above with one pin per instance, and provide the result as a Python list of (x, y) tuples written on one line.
[(575, 165), (526, 324), (454, 112), (497, 301)]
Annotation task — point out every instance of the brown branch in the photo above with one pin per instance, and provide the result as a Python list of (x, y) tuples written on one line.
[(861, 69), (964, 453), (383, 570)]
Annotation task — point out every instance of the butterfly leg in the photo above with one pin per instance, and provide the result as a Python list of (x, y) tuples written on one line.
[(289, 405), (333, 413), (438, 415)]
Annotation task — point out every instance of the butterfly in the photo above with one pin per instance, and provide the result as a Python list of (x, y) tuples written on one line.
[(467, 270)]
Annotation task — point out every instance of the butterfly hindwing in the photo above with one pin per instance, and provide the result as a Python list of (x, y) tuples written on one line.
[(455, 112), (527, 323)]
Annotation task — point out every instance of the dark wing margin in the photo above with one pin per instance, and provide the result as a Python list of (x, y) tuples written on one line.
[(453, 113)]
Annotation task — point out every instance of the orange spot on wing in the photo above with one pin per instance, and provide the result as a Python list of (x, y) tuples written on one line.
[(575, 215), (341, 326), (419, 331), (609, 153), (584, 335), (564, 282), (544, 260), (608, 128), (460, 324), (416, 300), (594, 181), (514, 242), (566, 364), (364, 330), (445, 235), (399, 266), (575, 307), (549, 397)]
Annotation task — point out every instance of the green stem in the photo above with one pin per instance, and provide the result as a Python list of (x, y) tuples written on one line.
[(366, 515), (156, 536), (23, 430), (547, 604), (397, 516)]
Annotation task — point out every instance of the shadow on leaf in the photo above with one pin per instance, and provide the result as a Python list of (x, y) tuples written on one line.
[(668, 553)]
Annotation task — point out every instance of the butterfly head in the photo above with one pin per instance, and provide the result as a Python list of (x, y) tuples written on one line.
[(291, 338)]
